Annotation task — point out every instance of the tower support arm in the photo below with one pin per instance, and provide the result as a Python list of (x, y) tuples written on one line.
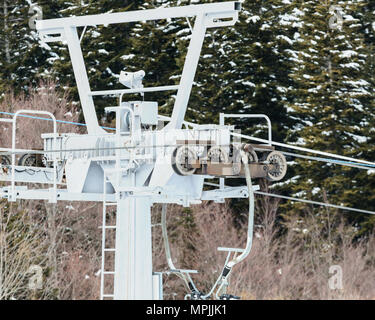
[(82, 80), (139, 15), (188, 74)]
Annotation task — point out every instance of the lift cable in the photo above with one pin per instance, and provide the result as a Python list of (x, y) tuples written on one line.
[(322, 153), (317, 203), (323, 204), (339, 162), (351, 163)]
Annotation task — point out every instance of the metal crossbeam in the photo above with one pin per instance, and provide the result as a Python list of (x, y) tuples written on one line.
[(138, 15), (207, 16), (129, 91)]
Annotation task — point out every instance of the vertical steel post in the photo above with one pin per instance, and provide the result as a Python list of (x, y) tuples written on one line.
[(133, 261), (157, 286), (222, 123)]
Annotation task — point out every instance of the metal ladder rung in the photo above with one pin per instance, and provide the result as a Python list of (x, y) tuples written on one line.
[(104, 227), (230, 249), (6, 120), (110, 204), (108, 227), (183, 271)]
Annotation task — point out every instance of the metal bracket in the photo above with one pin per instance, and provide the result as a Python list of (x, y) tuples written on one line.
[(218, 195), (52, 35), (221, 20)]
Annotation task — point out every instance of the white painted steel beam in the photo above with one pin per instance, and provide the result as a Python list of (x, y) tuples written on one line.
[(188, 74), (133, 259), (61, 194), (139, 15), (82, 81), (133, 277), (130, 91)]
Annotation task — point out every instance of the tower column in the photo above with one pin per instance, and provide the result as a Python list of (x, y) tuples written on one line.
[(133, 260)]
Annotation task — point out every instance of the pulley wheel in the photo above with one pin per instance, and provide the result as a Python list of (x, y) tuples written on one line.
[(28, 160), (5, 160), (182, 159), (217, 154), (278, 165)]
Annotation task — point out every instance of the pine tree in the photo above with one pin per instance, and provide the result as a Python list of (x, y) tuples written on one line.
[(244, 69), (23, 61), (17, 68), (332, 97), (367, 20)]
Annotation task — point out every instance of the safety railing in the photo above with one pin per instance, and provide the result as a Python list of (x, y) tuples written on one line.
[(12, 195), (223, 116)]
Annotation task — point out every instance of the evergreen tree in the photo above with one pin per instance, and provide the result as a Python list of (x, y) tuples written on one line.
[(244, 69), (332, 97), (367, 20), (23, 61)]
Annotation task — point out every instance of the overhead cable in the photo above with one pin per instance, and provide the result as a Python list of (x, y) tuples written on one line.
[(317, 203), (283, 145)]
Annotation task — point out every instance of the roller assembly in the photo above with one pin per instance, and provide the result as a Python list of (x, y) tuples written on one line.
[(206, 158)]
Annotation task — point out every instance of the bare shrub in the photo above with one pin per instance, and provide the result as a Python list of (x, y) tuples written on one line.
[(22, 247), (79, 254)]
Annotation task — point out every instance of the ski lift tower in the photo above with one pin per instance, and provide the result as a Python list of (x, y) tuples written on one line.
[(140, 164)]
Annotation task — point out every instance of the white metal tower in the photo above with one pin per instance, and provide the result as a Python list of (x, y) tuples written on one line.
[(140, 165)]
